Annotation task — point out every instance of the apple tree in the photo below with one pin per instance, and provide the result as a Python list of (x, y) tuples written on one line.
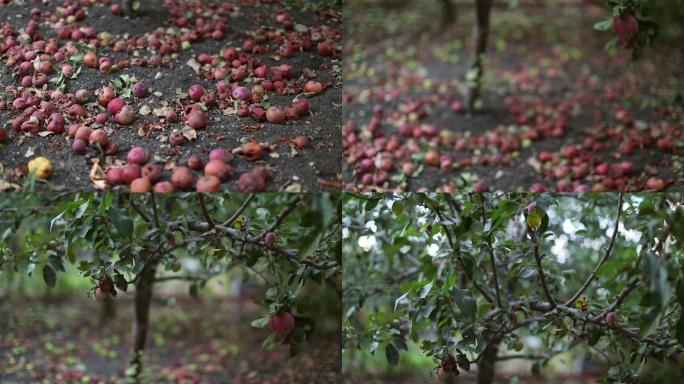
[(129, 243), (470, 277)]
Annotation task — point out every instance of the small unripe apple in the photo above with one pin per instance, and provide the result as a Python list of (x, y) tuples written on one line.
[(610, 318)]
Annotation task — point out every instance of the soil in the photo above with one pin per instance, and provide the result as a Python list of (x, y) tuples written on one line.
[(310, 169), (190, 341), (544, 56)]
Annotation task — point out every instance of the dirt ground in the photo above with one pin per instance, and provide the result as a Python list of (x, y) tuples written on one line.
[(545, 65), (190, 341), (310, 169)]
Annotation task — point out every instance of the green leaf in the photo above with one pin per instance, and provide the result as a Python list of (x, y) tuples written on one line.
[(426, 289), (260, 322), (392, 354), (56, 219), (463, 362), (120, 282), (465, 302), (82, 209), (49, 276), (604, 25), (121, 221), (679, 329)]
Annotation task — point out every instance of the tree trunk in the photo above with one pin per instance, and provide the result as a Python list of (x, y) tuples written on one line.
[(107, 310), (486, 366), (448, 13), (143, 298), (481, 32)]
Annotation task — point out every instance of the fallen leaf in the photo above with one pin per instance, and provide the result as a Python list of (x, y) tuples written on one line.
[(98, 176), (192, 63), (189, 133)]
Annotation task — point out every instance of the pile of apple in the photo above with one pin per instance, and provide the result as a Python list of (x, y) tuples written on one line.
[(241, 81), (396, 141)]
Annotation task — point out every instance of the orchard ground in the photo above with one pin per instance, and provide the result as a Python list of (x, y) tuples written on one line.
[(315, 167), (548, 80), (191, 341)]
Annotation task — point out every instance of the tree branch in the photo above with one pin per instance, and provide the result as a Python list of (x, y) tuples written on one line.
[(154, 209), (591, 277), (540, 270), (621, 297), (280, 218), (237, 213), (458, 256), (205, 212), (488, 241), (137, 209)]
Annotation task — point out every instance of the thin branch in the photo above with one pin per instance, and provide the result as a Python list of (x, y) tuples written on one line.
[(280, 218), (540, 270), (603, 259), (140, 212), (621, 298), (237, 213), (177, 277), (154, 209), (488, 240), (522, 356), (477, 286), (207, 216)]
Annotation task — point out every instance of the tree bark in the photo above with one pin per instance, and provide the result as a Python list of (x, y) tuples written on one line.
[(143, 299), (487, 365), (481, 33), (448, 13)]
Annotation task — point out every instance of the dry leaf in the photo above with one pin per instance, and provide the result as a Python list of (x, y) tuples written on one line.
[(294, 188), (534, 163), (97, 176), (189, 133), (192, 63), (145, 110)]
